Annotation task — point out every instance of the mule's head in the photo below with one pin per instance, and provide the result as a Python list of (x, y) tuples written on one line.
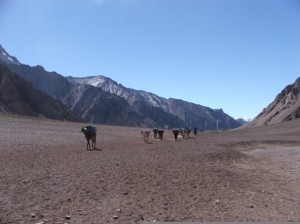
[(84, 130)]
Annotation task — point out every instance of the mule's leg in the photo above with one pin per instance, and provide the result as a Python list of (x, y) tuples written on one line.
[(88, 146), (93, 139)]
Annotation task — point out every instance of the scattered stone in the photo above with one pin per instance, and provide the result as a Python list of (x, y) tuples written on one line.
[(119, 210), (195, 186), (251, 206), (40, 223), (125, 193), (102, 180), (217, 201), (116, 217), (33, 215), (67, 217)]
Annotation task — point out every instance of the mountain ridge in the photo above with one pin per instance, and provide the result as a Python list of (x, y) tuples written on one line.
[(6, 58), (285, 107), (186, 113), (100, 99), (19, 97)]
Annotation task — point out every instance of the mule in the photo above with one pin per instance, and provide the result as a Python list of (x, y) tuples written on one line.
[(90, 133)]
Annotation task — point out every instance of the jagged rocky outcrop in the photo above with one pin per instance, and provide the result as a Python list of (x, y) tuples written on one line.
[(285, 107)]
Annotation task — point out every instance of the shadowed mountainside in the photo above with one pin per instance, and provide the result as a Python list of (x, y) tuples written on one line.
[(19, 97), (92, 103)]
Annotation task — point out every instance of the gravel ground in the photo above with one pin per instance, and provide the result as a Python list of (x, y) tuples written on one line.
[(48, 176)]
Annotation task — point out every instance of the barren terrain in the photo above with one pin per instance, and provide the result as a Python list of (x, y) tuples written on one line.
[(48, 176)]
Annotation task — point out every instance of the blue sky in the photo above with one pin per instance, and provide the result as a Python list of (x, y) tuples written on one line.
[(231, 54)]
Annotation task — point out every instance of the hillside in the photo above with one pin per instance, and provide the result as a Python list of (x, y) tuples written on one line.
[(19, 97), (285, 107), (157, 108)]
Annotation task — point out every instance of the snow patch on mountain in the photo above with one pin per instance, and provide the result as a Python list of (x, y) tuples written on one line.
[(92, 80), (130, 95)]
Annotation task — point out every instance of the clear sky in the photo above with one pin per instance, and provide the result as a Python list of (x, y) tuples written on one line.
[(231, 54)]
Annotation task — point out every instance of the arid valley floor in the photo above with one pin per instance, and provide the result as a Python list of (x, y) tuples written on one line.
[(48, 176)]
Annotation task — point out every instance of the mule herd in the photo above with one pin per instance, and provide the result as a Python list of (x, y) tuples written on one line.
[(158, 133), (90, 134)]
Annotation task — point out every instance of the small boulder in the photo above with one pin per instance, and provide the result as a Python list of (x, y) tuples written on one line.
[(67, 217)]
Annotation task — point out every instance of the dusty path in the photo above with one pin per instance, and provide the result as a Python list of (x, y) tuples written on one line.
[(47, 175)]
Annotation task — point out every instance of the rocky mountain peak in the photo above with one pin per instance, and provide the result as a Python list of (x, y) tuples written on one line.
[(7, 58)]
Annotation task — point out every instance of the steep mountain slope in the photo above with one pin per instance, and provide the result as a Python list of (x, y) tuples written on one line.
[(205, 117), (6, 58), (19, 97), (190, 114), (285, 107), (98, 106), (52, 83), (92, 103), (101, 100), (130, 95)]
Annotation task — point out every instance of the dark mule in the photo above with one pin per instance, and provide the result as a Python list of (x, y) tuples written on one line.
[(90, 134), (160, 133), (176, 131), (195, 131)]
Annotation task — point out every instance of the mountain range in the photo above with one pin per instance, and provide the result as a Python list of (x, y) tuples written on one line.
[(99, 99), (114, 104)]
